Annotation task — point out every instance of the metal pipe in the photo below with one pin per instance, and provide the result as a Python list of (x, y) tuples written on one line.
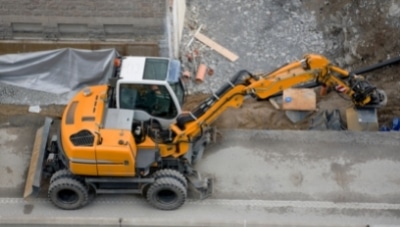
[(376, 66)]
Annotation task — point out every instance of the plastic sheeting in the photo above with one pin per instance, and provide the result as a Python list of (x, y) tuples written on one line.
[(57, 71)]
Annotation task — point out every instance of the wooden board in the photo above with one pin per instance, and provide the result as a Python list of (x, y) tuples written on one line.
[(362, 119), (274, 103), (215, 46), (299, 99)]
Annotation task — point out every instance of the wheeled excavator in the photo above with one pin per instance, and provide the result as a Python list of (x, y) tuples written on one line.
[(131, 136)]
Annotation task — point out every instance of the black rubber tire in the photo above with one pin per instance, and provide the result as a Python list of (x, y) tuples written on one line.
[(144, 189), (166, 194), (65, 173), (68, 194), (91, 194), (171, 173)]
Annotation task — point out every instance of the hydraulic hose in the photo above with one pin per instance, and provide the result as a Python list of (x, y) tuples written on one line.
[(376, 66)]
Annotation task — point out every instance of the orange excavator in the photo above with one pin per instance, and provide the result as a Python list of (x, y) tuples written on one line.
[(130, 136)]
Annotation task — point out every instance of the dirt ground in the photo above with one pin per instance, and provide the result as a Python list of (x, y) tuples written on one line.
[(358, 34), (252, 115), (364, 36), (370, 32)]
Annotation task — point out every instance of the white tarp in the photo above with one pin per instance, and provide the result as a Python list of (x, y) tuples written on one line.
[(57, 71)]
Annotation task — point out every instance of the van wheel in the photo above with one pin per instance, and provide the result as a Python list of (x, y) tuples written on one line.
[(166, 193), (68, 194)]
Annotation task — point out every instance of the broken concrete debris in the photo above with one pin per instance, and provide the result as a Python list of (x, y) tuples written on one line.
[(192, 59), (327, 120), (201, 72), (34, 109), (296, 116)]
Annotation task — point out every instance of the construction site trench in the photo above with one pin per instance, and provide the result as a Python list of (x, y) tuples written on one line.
[(346, 32)]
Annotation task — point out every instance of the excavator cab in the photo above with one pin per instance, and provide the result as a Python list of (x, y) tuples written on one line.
[(151, 87), (154, 99)]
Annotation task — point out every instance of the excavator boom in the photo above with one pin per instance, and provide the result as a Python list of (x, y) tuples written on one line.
[(312, 68)]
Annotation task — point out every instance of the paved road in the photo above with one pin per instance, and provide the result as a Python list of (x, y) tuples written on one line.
[(261, 178), (306, 165), (131, 210)]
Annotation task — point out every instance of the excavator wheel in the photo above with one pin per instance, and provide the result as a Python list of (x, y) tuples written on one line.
[(171, 173), (166, 193), (68, 193), (144, 189), (64, 173), (166, 173)]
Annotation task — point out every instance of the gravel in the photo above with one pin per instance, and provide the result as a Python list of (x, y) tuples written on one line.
[(268, 34), (264, 34), (10, 94)]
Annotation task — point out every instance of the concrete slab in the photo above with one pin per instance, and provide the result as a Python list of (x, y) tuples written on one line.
[(15, 151), (113, 210), (267, 165), (305, 165), (262, 178)]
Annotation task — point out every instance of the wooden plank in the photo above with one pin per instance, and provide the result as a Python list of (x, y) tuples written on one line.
[(299, 99), (362, 120), (274, 103), (215, 46)]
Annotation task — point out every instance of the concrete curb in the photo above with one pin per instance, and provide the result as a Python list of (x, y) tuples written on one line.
[(112, 222)]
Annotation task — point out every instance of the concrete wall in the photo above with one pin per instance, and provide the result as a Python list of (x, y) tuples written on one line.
[(123, 48), (88, 20), (177, 18)]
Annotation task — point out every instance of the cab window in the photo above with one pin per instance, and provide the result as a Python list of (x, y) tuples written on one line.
[(155, 69), (153, 99)]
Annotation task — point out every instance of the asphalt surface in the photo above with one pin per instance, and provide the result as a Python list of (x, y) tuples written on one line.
[(261, 178), (332, 166)]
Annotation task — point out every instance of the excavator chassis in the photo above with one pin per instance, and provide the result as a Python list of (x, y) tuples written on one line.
[(47, 161)]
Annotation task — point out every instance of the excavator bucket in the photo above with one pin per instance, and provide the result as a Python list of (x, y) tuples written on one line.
[(34, 177)]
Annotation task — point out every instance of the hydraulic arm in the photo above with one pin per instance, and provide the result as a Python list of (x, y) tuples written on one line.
[(312, 68)]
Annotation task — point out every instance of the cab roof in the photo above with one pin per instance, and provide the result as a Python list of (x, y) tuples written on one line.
[(149, 68)]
